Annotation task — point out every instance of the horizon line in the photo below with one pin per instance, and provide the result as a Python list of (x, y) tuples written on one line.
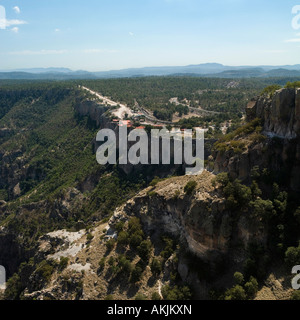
[(146, 67)]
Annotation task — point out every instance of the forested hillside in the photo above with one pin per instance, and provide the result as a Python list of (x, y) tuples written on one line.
[(72, 228)]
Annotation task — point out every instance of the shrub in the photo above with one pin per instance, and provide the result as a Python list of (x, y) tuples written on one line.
[(123, 238), (144, 249), (236, 293), (119, 226), (237, 146), (113, 270), (156, 267), (270, 90), (102, 263), (258, 137), (13, 288), (154, 182), (134, 225), (151, 193), (63, 263), (89, 237), (135, 240), (163, 114), (247, 129), (140, 296), (256, 192), (221, 147), (258, 261), (45, 270), (295, 295), (292, 256), (255, 173), (190, 187), (136, 274), (155, 296), (293, 85), (168, 249), (135, 231), (124, 265), (3, 194), (251, 287), (176, 293), (238, 278), (111, 261), (297, 215), (237, 194), (110, 244), (221, 178), (263, 209)]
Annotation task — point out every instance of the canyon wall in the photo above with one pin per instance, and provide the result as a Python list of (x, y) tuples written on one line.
[(280, 151)]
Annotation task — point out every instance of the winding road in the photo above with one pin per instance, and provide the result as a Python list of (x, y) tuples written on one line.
[(120, 113)]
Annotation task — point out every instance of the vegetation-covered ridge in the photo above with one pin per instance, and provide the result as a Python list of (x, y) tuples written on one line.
[(46, 156)]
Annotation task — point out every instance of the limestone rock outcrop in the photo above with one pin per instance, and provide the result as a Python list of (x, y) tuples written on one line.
[(280, 114), (279, 152), (201, 220), (93, 110)]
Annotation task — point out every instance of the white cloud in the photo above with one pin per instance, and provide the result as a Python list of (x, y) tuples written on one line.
[(17, 9), (99, 51), (93, 51), (275, 51), (7, 23), (131, 34), (15, 29), (39, 52), (293, 40), (14, 22), (57, 30)]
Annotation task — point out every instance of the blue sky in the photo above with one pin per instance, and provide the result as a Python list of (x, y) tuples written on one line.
[(98, 35)]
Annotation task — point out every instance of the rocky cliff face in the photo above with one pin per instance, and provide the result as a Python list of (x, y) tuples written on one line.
[(201, 220), (93, 110), (14, 169), (280, 114), (279, 151)]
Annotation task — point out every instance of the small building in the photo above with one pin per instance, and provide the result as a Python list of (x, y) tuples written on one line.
[(127, 123)]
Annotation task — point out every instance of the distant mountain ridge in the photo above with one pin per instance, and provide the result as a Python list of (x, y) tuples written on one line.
[(203, 70)]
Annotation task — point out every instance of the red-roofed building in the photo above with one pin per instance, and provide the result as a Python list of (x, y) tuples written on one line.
[(125, 123)]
